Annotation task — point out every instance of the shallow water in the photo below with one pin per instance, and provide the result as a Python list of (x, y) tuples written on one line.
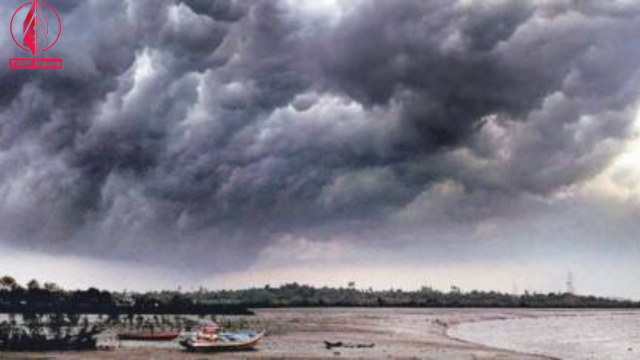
[(601, 336)]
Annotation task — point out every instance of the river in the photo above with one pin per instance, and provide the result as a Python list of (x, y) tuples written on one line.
[(596, 335)]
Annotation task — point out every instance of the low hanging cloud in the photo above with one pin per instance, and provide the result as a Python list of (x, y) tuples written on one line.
[(181, 131)]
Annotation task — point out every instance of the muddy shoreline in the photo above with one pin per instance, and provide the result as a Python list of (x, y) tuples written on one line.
[(302, 333)]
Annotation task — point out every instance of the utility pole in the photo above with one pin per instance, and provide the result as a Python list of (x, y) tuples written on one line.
[(571, 290)]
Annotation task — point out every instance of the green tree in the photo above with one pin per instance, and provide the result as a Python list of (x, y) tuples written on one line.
[(8, 283), (33, 285)]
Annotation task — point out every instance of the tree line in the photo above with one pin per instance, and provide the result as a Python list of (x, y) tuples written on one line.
[(297, 295), (48, 297)]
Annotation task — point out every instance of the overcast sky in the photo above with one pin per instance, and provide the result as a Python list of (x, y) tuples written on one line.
[(491, 144)]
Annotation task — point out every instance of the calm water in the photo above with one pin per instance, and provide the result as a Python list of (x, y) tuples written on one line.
[(601, 336)]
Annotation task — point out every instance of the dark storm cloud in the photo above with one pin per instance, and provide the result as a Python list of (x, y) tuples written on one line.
[(224, 10), (209, 127)]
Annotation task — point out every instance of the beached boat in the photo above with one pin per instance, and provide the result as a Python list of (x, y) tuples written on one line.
[(149, 336), (236, 341)]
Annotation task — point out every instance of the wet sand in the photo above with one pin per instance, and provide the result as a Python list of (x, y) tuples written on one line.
[(301, 333)]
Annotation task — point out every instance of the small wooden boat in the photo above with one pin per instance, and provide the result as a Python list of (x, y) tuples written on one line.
[(237, 341), (149, 336)]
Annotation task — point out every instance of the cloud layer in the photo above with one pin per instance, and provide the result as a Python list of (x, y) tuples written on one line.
[(204, 132)]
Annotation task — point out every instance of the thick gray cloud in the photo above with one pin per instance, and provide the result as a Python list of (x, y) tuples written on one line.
[(205, 129)]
